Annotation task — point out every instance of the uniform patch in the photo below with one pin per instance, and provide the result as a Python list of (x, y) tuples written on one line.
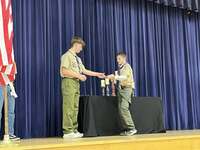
[(74, 64)]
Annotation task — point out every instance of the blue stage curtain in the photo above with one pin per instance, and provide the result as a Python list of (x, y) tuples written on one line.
[(162, 43), (185, 4)]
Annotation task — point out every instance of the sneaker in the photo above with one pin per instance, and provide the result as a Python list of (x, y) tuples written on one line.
[(78, 135), (69, 135), (14, 138), (129, 133)]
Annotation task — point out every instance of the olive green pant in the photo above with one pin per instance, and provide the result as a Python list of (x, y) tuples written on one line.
[(124, 100), (71, 94)]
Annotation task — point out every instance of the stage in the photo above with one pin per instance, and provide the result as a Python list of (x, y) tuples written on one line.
[(172, 140)]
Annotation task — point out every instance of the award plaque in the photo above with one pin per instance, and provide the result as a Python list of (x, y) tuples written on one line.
[(107, 87), (103, 85)]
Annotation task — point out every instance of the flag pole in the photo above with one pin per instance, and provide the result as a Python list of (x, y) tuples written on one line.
[(6, 134)]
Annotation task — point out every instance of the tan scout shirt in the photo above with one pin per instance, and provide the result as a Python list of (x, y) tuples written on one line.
[(127, 71), (72, 62)]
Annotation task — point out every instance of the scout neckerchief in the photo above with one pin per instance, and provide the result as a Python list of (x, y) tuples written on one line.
[(77, 61), (118, 72)]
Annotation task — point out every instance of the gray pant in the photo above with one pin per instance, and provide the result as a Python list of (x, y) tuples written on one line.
[(124, 100)]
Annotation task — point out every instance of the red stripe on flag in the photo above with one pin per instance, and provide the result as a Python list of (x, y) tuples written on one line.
[(7, 71), (2, 82), (11, 78), (8, 40), (3, 69)]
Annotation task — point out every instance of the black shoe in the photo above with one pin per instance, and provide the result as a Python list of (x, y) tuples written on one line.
[(14, 138), (129, 133)]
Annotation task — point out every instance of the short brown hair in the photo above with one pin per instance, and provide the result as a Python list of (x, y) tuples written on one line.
[(121, 54), (77, 39)]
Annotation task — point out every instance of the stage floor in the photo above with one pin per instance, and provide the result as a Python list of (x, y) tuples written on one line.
[(172, 140)]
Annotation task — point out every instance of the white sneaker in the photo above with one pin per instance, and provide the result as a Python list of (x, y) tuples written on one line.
[(78, 135), (129, 133), (69, 135), (14, 138)]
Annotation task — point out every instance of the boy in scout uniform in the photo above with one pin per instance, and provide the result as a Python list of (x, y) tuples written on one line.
[(72, 71), (125, 87)]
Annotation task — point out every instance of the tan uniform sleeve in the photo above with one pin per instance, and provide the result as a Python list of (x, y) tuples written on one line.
[(65, 62)]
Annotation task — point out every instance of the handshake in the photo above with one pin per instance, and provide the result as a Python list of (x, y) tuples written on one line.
[(100, 75), (83, 77)]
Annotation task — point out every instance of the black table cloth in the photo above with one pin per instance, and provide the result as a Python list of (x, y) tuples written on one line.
[(98, 115)]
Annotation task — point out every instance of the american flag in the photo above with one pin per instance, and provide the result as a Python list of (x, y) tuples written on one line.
[(7, 62)]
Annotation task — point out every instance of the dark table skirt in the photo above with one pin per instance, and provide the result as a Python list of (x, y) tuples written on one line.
[(98, 115)]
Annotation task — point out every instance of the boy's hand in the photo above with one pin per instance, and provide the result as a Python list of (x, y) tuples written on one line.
[(111, 77)]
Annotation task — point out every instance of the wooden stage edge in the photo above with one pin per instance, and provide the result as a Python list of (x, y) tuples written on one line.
[(172, 140)]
